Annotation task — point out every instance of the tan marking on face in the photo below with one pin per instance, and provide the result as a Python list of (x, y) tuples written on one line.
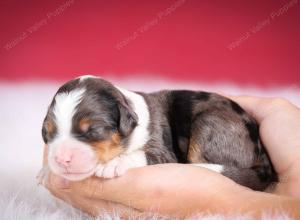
[(194, 153), (108, 149), (50, 127), (84, 124)]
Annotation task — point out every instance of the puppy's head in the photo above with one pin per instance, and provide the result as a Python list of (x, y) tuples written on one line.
[(86, 124)]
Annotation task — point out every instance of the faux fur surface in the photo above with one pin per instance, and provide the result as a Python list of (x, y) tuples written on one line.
[(22, 108)]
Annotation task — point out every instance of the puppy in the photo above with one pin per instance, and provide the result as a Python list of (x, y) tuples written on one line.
[(95, 128)]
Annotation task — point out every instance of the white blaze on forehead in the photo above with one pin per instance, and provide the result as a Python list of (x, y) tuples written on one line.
[(64, 109), (81, 78)]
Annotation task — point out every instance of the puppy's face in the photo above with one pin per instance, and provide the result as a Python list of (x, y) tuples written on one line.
[(87, 123)]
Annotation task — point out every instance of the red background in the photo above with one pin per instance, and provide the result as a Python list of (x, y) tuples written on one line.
[(190, 43)]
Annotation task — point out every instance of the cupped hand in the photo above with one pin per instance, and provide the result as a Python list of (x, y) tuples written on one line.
[(279, 130), (166, 188)]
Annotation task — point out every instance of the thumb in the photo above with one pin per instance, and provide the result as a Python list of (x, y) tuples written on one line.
[(258, 107)]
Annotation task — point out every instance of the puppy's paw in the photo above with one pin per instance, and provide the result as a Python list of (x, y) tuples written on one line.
[(108, 170), (124, 165), (111, 168), (99, 170), (114, 168), (43, 175)]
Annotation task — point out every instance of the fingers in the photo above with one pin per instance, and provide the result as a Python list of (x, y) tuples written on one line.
[(250, 104), (86, 195), (74, 194), (91, 187), (45, 155), (258, 107), (56, 182), (145, 187)]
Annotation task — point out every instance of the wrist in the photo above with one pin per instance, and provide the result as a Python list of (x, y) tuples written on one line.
[(257, 203)]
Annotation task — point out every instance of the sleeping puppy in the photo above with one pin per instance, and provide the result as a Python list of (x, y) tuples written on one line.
[(95, 128)]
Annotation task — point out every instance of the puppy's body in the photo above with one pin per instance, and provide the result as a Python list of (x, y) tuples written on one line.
[(115, 130)]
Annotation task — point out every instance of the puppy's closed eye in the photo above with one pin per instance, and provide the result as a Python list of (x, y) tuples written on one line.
[(89, 130)]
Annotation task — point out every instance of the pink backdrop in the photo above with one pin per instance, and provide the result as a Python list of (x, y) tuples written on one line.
[(254, 42)]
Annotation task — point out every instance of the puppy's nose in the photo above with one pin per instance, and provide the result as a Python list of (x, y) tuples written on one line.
[(63, 160)]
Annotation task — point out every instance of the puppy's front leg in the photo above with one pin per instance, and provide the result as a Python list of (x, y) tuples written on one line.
[(119, 165)]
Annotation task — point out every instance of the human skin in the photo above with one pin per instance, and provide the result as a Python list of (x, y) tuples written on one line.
[(183, 189)]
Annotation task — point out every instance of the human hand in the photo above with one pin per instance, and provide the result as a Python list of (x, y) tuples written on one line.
[(147, 189), (177, 189), (84, 195), (279, 130)]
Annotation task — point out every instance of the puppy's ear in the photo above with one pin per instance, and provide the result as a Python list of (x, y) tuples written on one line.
[(128, 119)]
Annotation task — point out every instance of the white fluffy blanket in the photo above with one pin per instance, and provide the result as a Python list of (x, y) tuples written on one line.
[(22, 108)]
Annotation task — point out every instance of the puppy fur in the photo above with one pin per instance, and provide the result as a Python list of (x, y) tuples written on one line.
[(93, 127)]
